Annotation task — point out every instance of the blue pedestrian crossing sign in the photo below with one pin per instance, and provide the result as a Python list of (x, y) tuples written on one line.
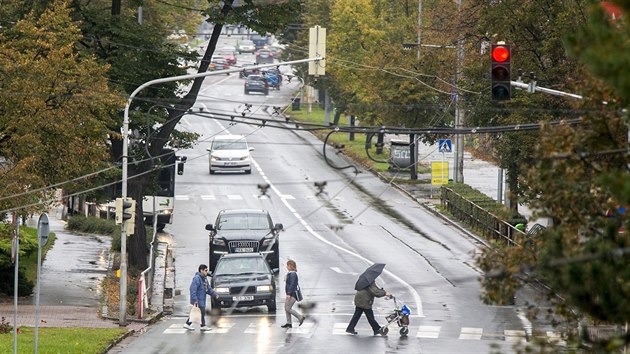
[(445, 145)]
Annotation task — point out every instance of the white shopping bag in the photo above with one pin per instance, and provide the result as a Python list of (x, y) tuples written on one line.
[(195, 315)]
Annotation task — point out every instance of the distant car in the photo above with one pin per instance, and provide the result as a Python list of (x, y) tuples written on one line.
[(246, 46), (260, 41), (243, 280), (226, 54), (244, 231), (264, 56), (256, 83), (248, 71), (275, 50), (219, 64), (275, 71), (230, 48), (273, 80), (229, 153)]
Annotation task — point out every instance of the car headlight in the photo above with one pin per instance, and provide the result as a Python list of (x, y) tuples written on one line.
[(264, 288), (215, 158), (222, 290), (244, 158), (218, 242), (166, 211)]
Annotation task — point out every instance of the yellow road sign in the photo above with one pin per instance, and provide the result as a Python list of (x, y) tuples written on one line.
[(439, 173)]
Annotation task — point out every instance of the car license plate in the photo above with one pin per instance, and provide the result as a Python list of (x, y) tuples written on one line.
[(230, 163), (244, 250), (243, 298)]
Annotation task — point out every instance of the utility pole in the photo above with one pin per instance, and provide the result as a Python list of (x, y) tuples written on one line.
[(419, 26), (459, 116)]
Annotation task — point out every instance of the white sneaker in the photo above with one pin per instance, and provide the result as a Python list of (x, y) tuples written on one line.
[(190, 327), (204, 328)]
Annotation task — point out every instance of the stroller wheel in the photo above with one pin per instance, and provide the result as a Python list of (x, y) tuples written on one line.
[(384, 330), (404, 331)]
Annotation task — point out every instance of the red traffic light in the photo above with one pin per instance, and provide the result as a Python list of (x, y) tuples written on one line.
[(500, 54)]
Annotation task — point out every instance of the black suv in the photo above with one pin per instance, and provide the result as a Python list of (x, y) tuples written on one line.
[(244, 231)]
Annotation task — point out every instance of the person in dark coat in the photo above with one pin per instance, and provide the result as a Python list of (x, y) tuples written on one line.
[(198, 290), (290, 288), (363, 301)]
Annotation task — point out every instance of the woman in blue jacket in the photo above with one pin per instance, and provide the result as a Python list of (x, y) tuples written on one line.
[(291, 287), (198, 290)]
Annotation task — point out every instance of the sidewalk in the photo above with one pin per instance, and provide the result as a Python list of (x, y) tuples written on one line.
[(70, 293)]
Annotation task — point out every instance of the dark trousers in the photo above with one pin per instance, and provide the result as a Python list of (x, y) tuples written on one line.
[(357, 315), (203, 317)]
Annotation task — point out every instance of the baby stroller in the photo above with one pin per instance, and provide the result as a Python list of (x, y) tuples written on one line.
[(400, 315)]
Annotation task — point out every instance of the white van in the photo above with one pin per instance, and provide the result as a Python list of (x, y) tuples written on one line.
[(229, 153)]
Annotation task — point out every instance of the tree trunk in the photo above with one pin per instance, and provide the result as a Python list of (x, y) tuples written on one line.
[(137, 246), (137, 243)]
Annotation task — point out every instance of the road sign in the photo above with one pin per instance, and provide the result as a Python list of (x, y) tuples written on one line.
[(439, 173), (43, 229), (445, 145)]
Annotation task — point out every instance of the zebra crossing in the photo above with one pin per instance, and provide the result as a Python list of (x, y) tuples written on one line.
[(339, 329)]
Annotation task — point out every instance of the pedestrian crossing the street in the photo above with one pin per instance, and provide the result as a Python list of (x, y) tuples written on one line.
[(308, 329)]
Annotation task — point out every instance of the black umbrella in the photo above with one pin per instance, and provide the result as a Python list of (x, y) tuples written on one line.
[(369, 276)]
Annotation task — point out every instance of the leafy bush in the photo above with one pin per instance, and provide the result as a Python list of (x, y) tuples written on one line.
[(93, 225), (5, 327), (28, 245)]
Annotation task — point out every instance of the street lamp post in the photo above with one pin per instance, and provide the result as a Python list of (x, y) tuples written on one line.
[(125, 136)]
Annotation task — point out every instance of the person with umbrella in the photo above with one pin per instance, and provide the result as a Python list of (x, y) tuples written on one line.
[(367, 290)]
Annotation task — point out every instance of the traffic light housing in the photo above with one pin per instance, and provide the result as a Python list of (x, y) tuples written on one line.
[(126, 213), (501, 56)]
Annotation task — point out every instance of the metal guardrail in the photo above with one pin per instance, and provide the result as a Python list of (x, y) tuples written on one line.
[(482, 221)]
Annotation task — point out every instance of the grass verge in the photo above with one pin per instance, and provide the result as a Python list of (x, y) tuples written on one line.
[(62, 340)]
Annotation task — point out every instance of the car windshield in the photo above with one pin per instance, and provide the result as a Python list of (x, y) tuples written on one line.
[(242, 266), (243, 222), (229, 145)]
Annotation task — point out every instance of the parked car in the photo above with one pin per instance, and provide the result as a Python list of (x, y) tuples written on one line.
[(264, 56), (243, 280), (225, 54), (248, 71), (246, 46), (244, 231), (256, 83), (229, 153), (219, 64)]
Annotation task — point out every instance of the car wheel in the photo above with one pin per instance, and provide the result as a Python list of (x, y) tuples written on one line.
[(266, 92), (248, 172), (272, 307), (211, 171), (160, 227), (246, 92)]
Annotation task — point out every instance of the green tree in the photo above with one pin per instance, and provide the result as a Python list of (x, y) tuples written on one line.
[(55, 109), (579, 179)]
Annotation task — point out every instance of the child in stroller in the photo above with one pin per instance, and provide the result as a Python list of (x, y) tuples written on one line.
[(400, 315)]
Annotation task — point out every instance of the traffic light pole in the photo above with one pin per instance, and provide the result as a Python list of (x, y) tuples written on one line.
[(458, 168), (534, 88), (125, 137)]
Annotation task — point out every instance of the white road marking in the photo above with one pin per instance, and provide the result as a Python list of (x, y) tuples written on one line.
[(514, 336), (181, 197), (208, 197), (471, 333), (428, 332), (337, 270), (234, 197)]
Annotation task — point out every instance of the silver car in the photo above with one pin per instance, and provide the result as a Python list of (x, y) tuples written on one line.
[(246, 46), (229, 153)]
